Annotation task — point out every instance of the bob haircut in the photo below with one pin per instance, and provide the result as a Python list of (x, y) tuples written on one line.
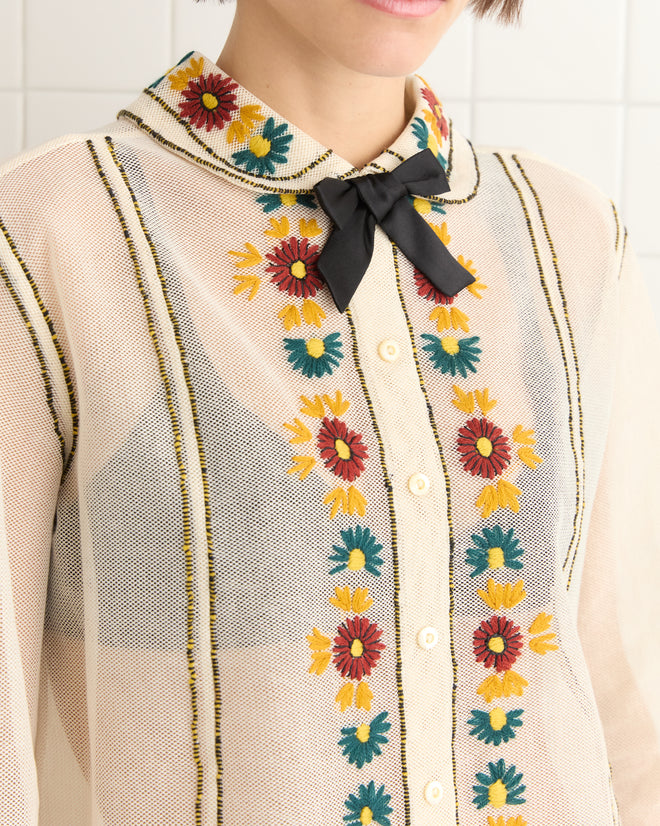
[(508, 11)]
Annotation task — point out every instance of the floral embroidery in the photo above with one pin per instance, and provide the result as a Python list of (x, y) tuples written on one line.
[(314, 357), (424, 206), (511, 821), (427, 289), (542, 644), (368, 806), (209, 101), (501, 786), (179, 80), (453, 355), (293, 264), (510, 683), (503, 596), (355, 650), (435, 118), (496, 726), (427, 140), (272, 202), (342, 449), (361, 743), (265, 149), (484, 449), (494, 549), (497, 642), (242, 127), (360, 551)]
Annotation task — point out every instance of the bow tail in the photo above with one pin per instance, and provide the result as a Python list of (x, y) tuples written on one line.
[(424, 249), (346, 257)]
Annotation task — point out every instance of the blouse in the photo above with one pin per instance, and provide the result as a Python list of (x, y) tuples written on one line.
[(265, 563)]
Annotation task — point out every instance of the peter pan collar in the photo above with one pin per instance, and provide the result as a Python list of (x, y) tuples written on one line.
[(202, 114)]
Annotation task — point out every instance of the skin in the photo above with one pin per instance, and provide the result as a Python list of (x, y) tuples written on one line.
[(335, 68)]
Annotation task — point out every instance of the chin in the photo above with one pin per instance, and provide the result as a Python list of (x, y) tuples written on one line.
[(382, 59)]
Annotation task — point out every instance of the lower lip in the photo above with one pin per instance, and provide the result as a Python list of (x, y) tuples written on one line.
[(406, 8)]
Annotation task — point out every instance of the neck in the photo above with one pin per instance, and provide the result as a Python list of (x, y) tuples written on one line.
[(355, 115)]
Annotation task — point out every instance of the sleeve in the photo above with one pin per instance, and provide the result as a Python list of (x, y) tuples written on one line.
[(618, 616), (31, 462)]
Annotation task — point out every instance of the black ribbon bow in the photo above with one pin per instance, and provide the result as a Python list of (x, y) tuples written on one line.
[(357, 205)]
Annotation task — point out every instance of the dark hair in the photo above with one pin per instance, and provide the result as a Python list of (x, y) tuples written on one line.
[(508, 11)]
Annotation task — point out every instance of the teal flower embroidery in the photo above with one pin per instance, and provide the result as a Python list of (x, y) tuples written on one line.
[(368, 806), (272, 202), (266, 149), (427, 140), (495, 549), (361, 743), (495, 726), (453, 355), (314, 357), (499, 787), (360, 551), (424, 206)]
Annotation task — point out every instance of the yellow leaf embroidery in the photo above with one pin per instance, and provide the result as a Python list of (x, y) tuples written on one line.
[(490, 688), (280, 229), (441, 316), (290, 316), (513, 683), (493, 595), (312, 312), (338, 499), (529, 457), (469, 266), (314, 408), (484, 402), (310, 228), (247, 281), (441, 232), (179, 80), (422, 205), (523, 437), (363, 696), (318, 641), (541, 645), (487, 501), (361, 600), (249, 258), (513, 594), (237, 131), (337, 406), (302, 465), (541, 623), (320, 661), (342, 599), (303, 433), (476, 288), (507, 495), (250, 115), (512, 821), (463, 401), (459, 320), (345, 696), (356, 502)]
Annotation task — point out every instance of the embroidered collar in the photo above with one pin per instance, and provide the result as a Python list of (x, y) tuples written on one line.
[(199, 112)]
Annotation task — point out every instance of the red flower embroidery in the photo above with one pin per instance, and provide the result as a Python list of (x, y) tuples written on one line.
[(484, 449), (357, 648), (209, 101), (428, 290), (436, 108), (294, 265), (342, 449), (497, 642)]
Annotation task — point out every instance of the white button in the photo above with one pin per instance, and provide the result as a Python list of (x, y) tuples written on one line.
[(433, 792), (388, 350), (427, 637), (419, 484)]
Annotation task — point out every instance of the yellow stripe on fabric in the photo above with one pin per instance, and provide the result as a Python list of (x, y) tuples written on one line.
[(445, 471), (66, 372), (579, 492), (571, 339), (623, 251), (185, 497), (203, 465), (48, 387), (396, 571), (208, 151), (618, 226)]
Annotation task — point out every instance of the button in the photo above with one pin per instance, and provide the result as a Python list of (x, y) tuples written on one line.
[(427, 637), (419, 484), (433, 792), (388, 350)]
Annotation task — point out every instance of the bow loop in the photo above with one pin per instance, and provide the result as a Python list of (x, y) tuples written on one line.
[(339, 200), (379, 193)]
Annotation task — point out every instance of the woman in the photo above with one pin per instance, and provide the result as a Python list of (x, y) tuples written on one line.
[(316, 477)]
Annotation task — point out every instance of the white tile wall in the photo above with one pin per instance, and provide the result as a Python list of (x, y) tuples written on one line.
[(589, 65)]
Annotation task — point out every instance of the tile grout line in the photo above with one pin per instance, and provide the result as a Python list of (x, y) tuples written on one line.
[(22, 136), (473, 71), (625, 46)]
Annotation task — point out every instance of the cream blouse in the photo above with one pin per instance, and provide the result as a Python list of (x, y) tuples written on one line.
[(269, 564)]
